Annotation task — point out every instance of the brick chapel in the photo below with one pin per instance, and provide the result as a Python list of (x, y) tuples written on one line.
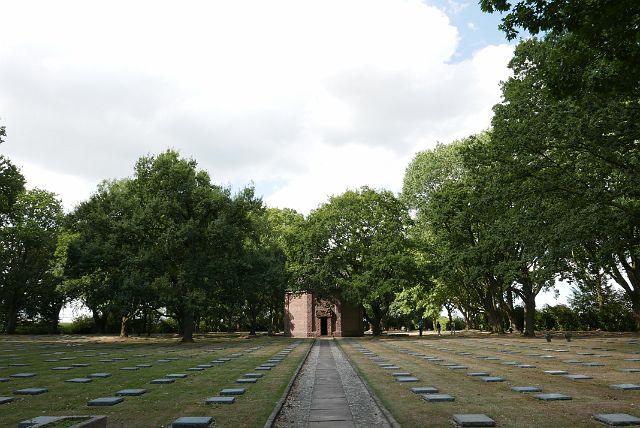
[(305, 316)]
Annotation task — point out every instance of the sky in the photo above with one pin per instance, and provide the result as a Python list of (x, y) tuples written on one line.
[(302, 99)]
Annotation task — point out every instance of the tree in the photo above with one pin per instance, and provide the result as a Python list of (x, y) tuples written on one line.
[(29, 240), (595, 41), (356, 246), (11, 183)]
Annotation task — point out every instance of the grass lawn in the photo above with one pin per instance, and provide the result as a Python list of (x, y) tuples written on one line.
[(161, 404), (497, 400)]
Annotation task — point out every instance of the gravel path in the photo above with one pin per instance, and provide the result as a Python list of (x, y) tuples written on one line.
[(297, 407)]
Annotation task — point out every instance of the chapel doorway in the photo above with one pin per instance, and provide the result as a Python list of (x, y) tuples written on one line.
[(324, 326)]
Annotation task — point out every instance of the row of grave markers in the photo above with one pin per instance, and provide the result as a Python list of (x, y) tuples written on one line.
[(226, 395), (432, 394)]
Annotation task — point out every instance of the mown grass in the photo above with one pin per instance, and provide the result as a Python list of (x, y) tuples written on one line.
[(161, 404), (507, 408)]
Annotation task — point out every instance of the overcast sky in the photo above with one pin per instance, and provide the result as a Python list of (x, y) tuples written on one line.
[(304, 99)]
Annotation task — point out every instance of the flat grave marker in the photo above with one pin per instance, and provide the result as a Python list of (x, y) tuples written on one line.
[(132, 392), (220, 400), (5, 400), (192, 422), (473, 420), (99, 375), (553, 396), (247, 380), (616, 419), (437, 398), (162, 381), (424, 390), (526, 389), (626, 386), (79, 380), (233, 391), (30, 391)]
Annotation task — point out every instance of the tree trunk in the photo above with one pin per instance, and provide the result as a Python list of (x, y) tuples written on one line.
[(187, 326), (124, 325), (376, 321), (529, 315), (12, 319)]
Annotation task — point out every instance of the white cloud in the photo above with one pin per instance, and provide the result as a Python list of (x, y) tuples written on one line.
[(309, 96)]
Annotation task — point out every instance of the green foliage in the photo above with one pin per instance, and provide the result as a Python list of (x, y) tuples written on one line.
[(356, 246), (29, 240)]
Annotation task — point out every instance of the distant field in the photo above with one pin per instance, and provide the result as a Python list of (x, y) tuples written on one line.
[(607, 360), (161, 404)]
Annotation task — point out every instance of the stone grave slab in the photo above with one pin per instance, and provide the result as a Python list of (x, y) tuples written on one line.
[(577, 376), (192, 422), (162, 381), (630, 370), (626, 386), (385, 364), (143, 366), (256, 375), (22, 375), (437, 398), (572, 361), (269, 364), (205, 366), (233, 391), (220, 400), (4, 379), (634, 360), (224, 359), (449, 364), (511, 363), (116, 359), (554, 396), (19, 365), (61, 368), (475, 374), (99, 375), (247, 380), (526, 366), (457, 367), (129, 369), (592, 364), (5, 400), (262, 368), (195, 369), (616, 419), (216, 362), (30, 391), (556, 372), (105, 401), (80, 365), (584, 353), (176, 375), (526, 389), (404, 379), (400, 374), (391, 367), (132, 392), (164, 360), (424, 390), (473, 420), (492, 379), (79, 380)]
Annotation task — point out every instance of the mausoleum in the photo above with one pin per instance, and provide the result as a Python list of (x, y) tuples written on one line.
[(306, 316)]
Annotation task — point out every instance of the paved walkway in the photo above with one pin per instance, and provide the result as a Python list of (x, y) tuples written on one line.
[(328, 393)]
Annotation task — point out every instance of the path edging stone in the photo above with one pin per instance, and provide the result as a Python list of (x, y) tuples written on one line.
[(278, 407), (392, 421)]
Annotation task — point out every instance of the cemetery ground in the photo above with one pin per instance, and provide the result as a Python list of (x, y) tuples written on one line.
[(478, 371), (211, 364)]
